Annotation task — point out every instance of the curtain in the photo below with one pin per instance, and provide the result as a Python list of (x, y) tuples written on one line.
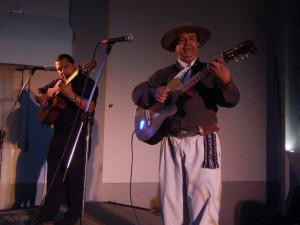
[(10, 124)]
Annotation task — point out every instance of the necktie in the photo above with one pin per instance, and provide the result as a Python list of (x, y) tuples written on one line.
[(187, 75)]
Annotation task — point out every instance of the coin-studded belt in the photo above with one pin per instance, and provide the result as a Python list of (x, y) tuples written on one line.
[(201, 130)]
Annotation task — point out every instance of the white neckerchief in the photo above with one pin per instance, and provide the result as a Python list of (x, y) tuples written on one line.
[(185, 66)]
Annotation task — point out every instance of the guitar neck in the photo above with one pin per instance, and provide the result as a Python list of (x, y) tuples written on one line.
[(67, 81)]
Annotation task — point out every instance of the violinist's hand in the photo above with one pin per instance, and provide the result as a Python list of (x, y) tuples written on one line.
[(161, 94), (220, 69)]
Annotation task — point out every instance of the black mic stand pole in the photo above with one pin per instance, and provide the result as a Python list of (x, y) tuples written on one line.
[(2, 132), (87, 118)]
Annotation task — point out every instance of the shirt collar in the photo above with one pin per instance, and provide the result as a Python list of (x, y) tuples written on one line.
[(183, 64)]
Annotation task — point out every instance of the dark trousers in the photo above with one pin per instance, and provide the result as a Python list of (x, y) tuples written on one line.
[(74, 180)]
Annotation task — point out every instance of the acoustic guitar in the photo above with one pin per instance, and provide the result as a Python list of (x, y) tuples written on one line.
[(151, 124), (49, 113)]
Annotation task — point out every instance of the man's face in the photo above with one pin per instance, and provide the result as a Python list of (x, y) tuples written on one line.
[(187, 48), (65, 68)]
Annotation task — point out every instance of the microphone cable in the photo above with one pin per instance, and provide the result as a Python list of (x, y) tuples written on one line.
[(130, 183)]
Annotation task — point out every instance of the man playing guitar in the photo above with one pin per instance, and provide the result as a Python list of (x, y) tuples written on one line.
[(67, 97)]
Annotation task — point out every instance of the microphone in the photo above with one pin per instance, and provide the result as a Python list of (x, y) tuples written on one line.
[(128, 38), (40, 68)]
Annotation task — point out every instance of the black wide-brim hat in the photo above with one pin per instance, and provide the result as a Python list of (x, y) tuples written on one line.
[(169, 40)]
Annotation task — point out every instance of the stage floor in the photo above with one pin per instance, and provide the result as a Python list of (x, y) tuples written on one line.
[(96, 213)]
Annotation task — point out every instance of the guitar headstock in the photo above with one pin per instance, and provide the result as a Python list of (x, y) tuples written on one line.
[(240, 50), (88, 66)]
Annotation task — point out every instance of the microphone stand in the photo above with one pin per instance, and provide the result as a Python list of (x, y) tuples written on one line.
[(87, 120), (2, 132)]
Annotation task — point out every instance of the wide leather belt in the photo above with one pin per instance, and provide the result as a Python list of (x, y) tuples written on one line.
[(201, 130)]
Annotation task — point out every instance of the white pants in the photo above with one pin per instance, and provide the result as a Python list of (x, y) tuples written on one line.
[(190, 194)]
